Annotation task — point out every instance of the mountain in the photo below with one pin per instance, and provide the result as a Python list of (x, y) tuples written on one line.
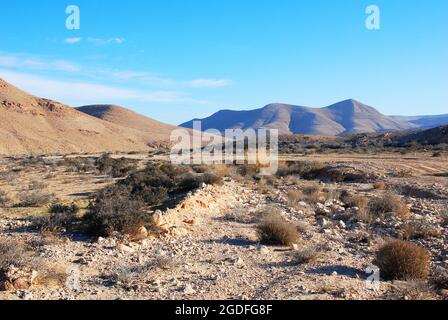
[(30, 124), (345, 117), (150, 130), (424, 121)]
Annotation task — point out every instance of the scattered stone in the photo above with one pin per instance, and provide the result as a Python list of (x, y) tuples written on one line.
[(17, 279)]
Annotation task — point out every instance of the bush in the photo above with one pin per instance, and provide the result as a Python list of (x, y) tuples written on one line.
[(34, 199), (388, 203), (36, 185), (379, 186), (401, 260), (115, 210), (15, 253), (304, 169), (308, 255), (58, 208), (62, 218), (4, 199), (419, 229), (212, 179), (275, 230), (116, 168)]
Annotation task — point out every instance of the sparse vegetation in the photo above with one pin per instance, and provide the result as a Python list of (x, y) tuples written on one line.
[(403, 260), (16, 253), (5, 200), (116, 168), (275, 230), (35, 198), (307, 255), (379, 185), (388, 203), (61, 218), (419, 229)]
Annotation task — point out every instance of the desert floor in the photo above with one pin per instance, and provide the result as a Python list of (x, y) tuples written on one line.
[(212, 251)]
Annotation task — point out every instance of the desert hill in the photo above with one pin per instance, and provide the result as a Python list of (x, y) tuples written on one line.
[(152, 131), (30, 124)]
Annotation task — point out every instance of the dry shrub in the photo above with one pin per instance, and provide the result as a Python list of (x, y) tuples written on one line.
[(275, 230), (5, 200), (295, 196), (412, 290), (444, 219), (402, 260), (239, 215), (211, 178), (308, 255), (166, 262), (130, 276), (360, 202), (114, 210), (304, 169), (116, 168), (16, 253), (388, 203), (439, 278), (313, 194), (62, 218), (379, 186), (35, 198), (36, 185), (419, 229)]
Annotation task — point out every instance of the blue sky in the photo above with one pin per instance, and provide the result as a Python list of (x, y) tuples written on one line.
[(179, 59)]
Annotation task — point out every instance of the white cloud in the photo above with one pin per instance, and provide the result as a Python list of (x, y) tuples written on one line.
[(72, 40), (27, 62), (102, 42), (140, 76), (208, 83), (79, 93)]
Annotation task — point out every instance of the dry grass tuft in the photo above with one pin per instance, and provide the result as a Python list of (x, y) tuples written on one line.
[(388, 203), (308, 255), (379, 186), (402, 260), (275, 230), (419, 229), (5, 200)]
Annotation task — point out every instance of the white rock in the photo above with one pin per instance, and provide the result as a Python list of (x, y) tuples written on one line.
[(264, 250), (188, 289)]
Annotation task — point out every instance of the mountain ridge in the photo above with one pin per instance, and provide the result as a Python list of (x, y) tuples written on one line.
[(342, 118)]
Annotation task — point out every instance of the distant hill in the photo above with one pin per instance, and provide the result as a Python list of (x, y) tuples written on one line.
[(425, 121), (432, 136), (152, 131), (342, 118), (30, 124)]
